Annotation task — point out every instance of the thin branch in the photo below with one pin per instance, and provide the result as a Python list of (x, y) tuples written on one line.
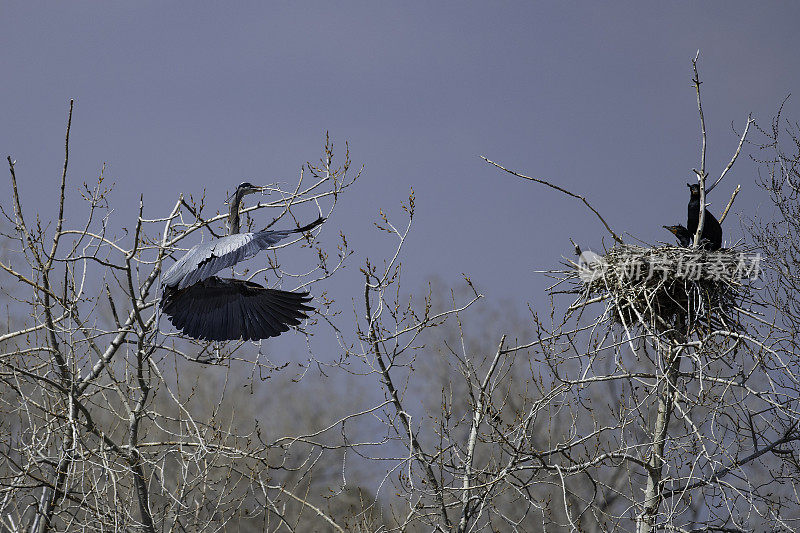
[(60, 223), (477, 418), (735, 154), (556, 187), (789, 436), (730, 203), (314, 508), (696, 82), (420, 454), (701, 174)]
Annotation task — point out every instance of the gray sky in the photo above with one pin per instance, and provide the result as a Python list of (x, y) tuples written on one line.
[(177, 97)]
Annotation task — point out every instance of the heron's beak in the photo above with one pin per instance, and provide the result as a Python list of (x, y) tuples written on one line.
[(255, 189)]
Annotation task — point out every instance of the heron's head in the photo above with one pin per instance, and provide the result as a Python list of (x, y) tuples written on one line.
[(248, 188), (243, 189), (694, 189)]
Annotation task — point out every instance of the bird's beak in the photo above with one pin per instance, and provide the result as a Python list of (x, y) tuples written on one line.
[(689, 185), (255, 189)]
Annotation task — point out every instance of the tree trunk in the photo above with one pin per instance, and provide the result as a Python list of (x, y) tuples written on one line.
[(653, 495)]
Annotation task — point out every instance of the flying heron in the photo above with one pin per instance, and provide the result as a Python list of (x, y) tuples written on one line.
[(207, 307)]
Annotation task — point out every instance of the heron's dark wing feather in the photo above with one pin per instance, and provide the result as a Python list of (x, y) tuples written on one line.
[(221, 309), (204, 260)]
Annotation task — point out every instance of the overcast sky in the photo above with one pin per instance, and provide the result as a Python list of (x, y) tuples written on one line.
[(596, 97)]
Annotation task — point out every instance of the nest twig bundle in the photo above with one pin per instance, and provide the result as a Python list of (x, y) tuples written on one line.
[(663, 288)]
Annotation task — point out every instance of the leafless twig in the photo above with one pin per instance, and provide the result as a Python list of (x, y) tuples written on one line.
[(556, 187)]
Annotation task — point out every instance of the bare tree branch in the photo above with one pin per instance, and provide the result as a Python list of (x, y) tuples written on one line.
[(735, 154), (556, 187), (730, 203)]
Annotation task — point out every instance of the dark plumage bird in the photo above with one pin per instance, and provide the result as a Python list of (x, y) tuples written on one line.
[(712, 231), (683, 235), (207, 307)]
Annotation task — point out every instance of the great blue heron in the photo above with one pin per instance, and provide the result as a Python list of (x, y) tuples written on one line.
[(206, 307), (683, 235), (712, 231)]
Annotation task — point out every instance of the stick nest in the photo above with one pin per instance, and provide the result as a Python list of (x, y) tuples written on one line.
[(663, 288)]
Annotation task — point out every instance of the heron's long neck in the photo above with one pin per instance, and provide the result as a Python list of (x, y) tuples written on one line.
[(233, 217)]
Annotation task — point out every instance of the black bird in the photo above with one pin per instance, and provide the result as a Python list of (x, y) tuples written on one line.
[(712, 231), (683, 235), (206, 307)]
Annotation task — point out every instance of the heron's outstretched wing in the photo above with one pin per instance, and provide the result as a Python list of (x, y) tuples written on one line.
[(204, 260), (221, 309)]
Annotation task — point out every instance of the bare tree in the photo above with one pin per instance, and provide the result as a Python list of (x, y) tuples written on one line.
[(680, 394), (102, 429), (642, 398)]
